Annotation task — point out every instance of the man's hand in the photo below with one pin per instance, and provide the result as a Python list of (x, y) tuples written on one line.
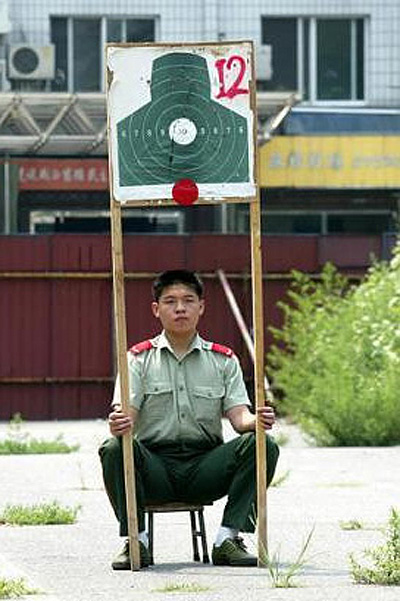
[(266, 416), (120, 423), (243, 420)]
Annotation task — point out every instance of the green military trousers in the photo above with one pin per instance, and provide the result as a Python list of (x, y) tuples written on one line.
[(166, 475)]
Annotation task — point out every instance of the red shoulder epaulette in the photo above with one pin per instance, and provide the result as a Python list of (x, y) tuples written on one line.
[(138, 348), (220, 348)]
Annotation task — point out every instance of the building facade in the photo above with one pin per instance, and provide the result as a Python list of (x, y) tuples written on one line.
[(332, 165), (328, 115)]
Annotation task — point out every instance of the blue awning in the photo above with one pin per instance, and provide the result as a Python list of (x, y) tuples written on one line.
[(302, 122)]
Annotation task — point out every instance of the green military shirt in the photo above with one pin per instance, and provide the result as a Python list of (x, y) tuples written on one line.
[(182, 399)]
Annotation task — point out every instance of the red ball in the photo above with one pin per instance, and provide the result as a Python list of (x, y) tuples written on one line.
[(185, 192)]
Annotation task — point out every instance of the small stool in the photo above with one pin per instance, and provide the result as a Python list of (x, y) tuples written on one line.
[(196, 521)]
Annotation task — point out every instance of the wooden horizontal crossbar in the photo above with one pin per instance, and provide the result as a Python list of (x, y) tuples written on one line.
[(106, 275), (170, 507), (55, 380)]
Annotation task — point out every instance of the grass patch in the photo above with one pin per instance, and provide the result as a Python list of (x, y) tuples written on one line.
[(19, 442), (351, 525), (11, 588), (39, 515), (33, 446), (342, 485), (182, 587), (383, 561)]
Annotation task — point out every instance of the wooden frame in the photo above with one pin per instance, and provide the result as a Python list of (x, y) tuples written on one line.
[(119, 299)]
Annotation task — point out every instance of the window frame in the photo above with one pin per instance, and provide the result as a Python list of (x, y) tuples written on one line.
[(103, 40), (241, 224), (307, 66)]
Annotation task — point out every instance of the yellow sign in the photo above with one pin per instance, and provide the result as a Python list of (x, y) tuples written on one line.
[(331, 162)]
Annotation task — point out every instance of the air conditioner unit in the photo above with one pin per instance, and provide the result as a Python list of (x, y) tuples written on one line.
[(264, 62), (27, 61)]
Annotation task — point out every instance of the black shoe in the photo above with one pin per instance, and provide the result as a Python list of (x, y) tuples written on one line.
[(122, 560), (232, 552)]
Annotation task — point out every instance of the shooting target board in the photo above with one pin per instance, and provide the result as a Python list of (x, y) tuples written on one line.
[(181, 123)]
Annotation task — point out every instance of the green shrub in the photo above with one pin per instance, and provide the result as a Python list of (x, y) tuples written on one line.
[(336, 361)]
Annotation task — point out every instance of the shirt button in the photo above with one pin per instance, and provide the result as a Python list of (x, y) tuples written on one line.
[(183, 415), (181, 388)]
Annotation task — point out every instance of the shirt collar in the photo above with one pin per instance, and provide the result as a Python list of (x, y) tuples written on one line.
[(163, 342)]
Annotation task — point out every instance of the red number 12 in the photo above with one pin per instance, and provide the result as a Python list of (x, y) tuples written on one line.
[(234, 89)]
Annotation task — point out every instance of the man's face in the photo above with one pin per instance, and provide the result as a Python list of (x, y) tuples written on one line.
[(179, 309)]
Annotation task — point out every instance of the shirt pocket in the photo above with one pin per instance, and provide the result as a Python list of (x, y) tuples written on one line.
[(207, 403), (158, 399)]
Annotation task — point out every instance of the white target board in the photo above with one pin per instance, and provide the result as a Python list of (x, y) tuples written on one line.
[(181, 122)]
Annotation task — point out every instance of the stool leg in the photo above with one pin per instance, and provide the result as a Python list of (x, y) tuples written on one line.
[(150, 528), (206, 558), (196, 556)]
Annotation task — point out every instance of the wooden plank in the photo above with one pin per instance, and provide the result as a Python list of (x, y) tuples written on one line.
[(259, 389), (258, 329), (121, 342)]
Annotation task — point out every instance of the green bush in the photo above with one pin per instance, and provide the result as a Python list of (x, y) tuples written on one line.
[(336, 361)]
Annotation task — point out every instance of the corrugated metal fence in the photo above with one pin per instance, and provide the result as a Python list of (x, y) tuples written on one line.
[(56, 318)]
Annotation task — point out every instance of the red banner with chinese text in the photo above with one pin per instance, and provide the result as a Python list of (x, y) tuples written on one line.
[(63, 174)]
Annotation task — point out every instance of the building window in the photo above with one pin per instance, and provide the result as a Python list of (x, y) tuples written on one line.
[(79, 43), (86, 40), (323, 59), (98, 222), (368, 222)]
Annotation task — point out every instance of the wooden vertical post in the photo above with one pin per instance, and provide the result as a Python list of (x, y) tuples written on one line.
[(121, 343), (259, 388)]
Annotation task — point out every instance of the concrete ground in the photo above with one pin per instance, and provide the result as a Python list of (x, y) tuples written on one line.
[(321, 488)]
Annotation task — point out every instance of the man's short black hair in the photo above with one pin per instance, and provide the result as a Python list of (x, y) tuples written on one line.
[(177, 276)]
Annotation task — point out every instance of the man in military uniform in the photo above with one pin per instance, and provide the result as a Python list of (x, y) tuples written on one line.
[(180, 388)]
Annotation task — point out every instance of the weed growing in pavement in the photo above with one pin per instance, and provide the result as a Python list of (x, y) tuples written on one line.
[(182, 587), (384, 560), (280, 479), (351, 525), (19, 442), (341, 485), (39, 515), (286, 577), (11, 588)]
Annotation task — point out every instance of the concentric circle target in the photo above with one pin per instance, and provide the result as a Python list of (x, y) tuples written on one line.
[(182, 132)]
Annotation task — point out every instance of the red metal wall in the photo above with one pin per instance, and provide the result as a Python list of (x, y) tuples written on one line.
[(56, 343)]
